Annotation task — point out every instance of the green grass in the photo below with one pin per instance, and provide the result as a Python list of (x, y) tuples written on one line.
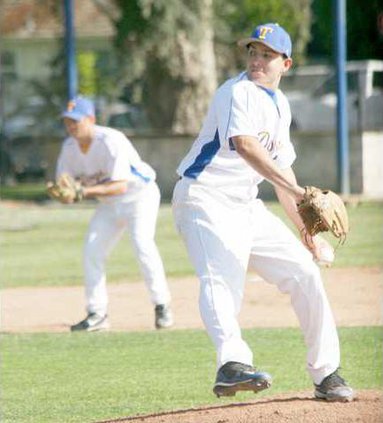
[(24, 192), (42, 245), (89, 377)]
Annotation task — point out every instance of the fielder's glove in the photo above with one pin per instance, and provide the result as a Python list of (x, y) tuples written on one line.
[(323, 210), (65, 189)]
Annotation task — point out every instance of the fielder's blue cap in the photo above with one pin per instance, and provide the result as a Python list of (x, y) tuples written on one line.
[(271, 35), (78, 108)]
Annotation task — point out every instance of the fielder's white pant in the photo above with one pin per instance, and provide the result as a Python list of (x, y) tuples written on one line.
[(223, 237), (106, 227)]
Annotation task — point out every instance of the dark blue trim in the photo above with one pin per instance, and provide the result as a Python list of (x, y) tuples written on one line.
[(140, 175), (103, 181), (231, 144), (206, 155), (272, 94)]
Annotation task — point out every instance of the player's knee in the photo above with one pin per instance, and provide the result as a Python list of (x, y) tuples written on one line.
[(143, 244), (92, 254), (305, 278)]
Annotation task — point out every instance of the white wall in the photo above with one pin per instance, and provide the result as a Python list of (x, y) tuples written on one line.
[(372, 156), (316, 162)]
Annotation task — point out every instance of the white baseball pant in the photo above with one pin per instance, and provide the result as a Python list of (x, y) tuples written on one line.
[(223, 237), (106, 227)]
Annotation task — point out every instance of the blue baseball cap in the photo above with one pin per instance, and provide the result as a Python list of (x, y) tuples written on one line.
[(78, 108), (271, 35)]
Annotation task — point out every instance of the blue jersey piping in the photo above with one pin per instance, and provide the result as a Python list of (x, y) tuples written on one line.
[(208, 151), (140, 175), (273, 95)]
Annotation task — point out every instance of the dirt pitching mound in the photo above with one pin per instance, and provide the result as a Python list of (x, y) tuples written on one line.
[(367, 407)]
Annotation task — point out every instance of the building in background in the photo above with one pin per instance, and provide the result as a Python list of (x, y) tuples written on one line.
[(32, 77), (31, 48), (31, 34)]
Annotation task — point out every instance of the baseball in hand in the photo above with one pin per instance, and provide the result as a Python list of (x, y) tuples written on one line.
[(326, 254)]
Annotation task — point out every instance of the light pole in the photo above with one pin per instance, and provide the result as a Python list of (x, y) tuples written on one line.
[(341, 77), (70, 49)]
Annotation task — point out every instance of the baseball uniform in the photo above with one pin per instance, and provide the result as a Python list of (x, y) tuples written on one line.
[(227, 228), (112, 157)]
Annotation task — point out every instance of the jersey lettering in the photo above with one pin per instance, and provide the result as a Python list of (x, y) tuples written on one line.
[(94, 179), (265, 140)]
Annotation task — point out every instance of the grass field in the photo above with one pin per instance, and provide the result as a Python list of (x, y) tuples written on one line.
[(49, 378), (59, 378), (48, 243)]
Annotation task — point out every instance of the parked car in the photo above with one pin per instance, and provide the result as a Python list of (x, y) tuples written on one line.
[(311, 91)]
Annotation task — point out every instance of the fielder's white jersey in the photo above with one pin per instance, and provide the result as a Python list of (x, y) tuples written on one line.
[(239, 107), (111, 157)]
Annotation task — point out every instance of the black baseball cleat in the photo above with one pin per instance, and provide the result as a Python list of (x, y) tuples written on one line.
[(92, 322), (163, 317), (334, 388), (233, 377)]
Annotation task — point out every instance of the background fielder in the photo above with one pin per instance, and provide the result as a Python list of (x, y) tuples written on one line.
[(109, 169), (244, 139)]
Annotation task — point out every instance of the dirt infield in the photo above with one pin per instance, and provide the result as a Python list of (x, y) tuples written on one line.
[(355, 295)]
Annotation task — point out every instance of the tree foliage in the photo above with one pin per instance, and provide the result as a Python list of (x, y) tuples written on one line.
[(363, 38), (172, 50), (294, 15)]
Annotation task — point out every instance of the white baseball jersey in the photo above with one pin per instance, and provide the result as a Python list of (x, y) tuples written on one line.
[(227, 230), (239, 107), (111, 157)]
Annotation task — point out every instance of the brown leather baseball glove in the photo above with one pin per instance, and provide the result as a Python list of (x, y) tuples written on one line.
[(322, 211), (66, 189)]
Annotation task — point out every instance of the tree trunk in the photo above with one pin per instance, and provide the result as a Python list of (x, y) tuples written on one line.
[(177, 100)]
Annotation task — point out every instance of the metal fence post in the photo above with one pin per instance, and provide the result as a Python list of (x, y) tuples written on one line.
[(341, 76), (70, 49)]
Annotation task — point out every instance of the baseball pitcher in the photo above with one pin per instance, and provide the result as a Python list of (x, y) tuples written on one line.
[(226, 228)]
